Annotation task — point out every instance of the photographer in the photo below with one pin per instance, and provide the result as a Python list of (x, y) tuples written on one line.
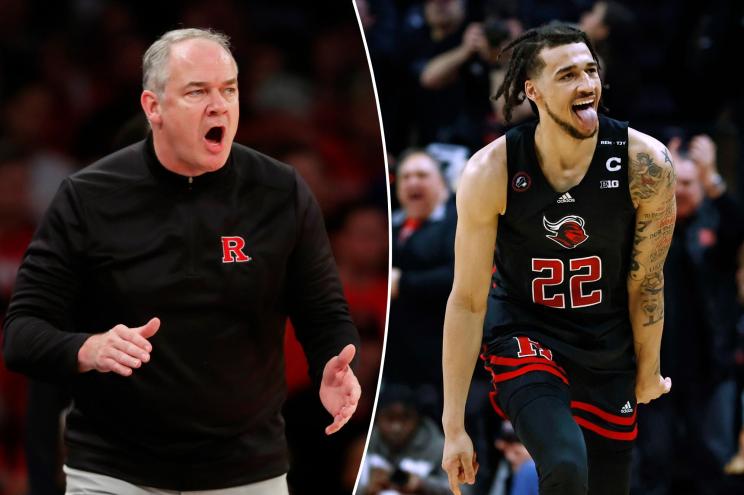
[(500, 30), (405, 448), (447, 76)]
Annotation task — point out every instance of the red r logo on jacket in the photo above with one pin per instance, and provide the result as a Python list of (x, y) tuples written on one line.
[(232, 249)]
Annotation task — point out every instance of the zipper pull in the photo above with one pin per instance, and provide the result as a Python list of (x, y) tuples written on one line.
[(191, 182)]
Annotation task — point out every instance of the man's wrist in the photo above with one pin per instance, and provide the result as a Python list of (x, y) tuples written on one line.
[(452, 427), (82, 356), (647, 363), (646, 374)]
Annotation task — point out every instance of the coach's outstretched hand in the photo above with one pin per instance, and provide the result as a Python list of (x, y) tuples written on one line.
[(652, 388), (459, 460), (120, 350), (339, 389)]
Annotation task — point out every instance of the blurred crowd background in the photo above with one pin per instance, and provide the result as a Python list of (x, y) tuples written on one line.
[(666, 68), (70, 80)]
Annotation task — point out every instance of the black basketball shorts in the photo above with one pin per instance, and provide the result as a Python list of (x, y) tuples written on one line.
[(602, 402)]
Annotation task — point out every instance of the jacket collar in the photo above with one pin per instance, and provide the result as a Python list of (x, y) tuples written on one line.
[(164, 175)]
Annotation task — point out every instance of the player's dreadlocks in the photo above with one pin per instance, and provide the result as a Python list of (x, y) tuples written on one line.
[(525, 62)]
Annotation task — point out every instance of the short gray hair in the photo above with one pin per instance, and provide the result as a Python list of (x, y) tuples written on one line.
[(155, 60)]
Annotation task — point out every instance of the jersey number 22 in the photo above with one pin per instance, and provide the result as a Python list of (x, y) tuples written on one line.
[(553, 272)]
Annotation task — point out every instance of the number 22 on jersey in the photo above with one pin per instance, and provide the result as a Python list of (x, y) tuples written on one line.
[(552, 272)]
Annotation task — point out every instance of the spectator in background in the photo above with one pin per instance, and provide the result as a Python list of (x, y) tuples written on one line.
[(17, 221), (516, 473), (423, 233), (314, 170), (16, 229), (611, 27), (361, 248), (405, 448), (360, 245), (29, 123), (380, 21), (501, 26), (686, 437), (447, 61), (735, 465)]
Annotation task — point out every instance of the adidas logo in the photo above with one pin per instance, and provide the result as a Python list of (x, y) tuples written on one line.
[(566, 198), (627, 408)]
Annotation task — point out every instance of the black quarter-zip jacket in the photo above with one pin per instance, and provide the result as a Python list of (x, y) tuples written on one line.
[(126, 240)]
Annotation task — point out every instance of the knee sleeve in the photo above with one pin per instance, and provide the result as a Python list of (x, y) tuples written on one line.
[(547, 429), (565, 474)]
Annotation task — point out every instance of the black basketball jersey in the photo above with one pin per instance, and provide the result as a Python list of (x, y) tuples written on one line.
[(562, 258)]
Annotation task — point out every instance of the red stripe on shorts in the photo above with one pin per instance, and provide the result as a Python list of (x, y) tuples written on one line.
[(610, 418), (612, 435), (502, 377), (499, 411), (504, 361)]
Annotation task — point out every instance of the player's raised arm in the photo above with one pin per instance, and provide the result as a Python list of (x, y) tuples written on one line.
[(481, 196), (652, 191)]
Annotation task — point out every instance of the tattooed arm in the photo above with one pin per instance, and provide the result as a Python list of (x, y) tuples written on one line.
[(652, 191)]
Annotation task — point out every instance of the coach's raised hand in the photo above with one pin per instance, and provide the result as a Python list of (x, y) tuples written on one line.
[(120, 350)]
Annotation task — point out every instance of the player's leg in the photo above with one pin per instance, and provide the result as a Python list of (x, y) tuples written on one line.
[(531, 389), (544, 424), (604, 406), (609, 465)]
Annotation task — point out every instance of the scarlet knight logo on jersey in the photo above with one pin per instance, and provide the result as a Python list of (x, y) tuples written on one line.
[(568, 231), (521, 182)]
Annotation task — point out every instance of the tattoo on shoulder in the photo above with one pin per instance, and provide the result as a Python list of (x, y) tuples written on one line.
[(647, 177), (666, 157)]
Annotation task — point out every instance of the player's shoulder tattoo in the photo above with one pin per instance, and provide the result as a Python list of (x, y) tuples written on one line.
[(651, 171)]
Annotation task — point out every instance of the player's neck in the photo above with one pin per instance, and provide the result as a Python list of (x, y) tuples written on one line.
[(557, 149)]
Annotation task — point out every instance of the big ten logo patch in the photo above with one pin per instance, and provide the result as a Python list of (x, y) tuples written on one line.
[(609, 184)]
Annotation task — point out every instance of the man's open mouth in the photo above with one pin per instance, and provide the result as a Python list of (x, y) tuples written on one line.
[(214, 134), (583, 104)]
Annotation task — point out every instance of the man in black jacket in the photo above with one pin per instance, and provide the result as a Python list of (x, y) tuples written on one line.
[(423, 249), (157, 288)]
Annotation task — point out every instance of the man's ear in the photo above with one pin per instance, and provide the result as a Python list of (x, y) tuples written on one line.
[(151, 106), (531, 91)]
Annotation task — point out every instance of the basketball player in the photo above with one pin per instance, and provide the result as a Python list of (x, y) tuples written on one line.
[(573, 320)]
